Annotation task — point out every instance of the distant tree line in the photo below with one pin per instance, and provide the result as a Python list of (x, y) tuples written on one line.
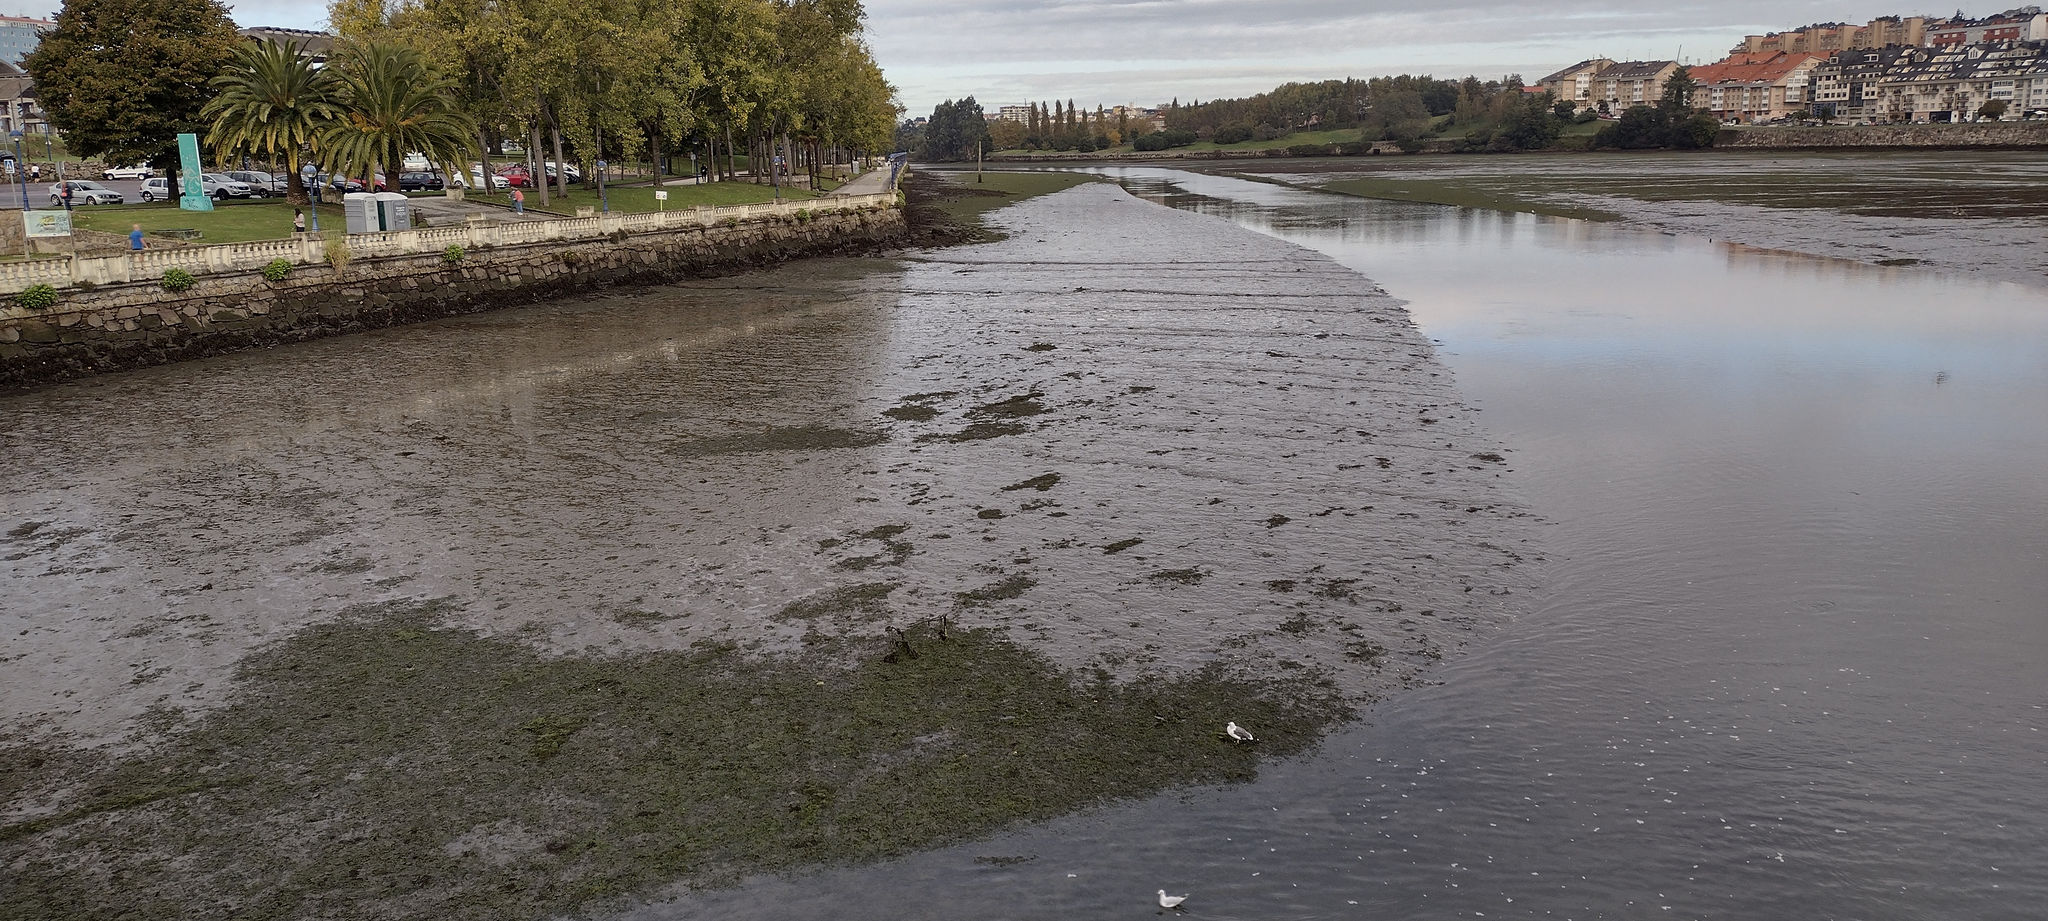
[(1485, 115)]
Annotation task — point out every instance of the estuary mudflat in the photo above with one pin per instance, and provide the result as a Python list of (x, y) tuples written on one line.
[(527, 611)]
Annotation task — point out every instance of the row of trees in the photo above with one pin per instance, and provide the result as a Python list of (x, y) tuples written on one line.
[(356, 119), (457, 78), (773, 78)]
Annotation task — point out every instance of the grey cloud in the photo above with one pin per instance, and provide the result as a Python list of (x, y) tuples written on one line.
[(1134, 50)]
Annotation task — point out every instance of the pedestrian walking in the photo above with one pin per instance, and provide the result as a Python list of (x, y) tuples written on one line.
[(135, 238), (298, 220), (518, 201), (67, 196), (35, 172)]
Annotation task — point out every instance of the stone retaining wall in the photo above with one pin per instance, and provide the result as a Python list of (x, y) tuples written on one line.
[(119, 326), (1982, 134)]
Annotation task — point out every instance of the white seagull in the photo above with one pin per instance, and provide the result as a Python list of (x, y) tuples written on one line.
[(1170, 901), (1238, 733)]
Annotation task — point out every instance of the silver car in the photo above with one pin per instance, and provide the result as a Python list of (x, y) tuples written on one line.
[(220, 187), (84, 192), (156, 189), (263, 184)]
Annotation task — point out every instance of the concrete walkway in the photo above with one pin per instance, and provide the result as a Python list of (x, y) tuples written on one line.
[(442, 211), (872, 182)]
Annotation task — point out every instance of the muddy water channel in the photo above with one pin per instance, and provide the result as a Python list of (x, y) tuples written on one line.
[(1791, 655)]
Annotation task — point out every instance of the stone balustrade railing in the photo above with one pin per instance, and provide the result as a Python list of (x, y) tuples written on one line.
[(305, 249)]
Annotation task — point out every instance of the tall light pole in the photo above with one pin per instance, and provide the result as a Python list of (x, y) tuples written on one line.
[(20, 167)]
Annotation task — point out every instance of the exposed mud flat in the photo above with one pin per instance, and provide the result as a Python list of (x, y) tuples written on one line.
[(1138, 446), (1940, 209)]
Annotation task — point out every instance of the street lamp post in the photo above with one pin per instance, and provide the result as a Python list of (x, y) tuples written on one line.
[(311, 174), (20, 167)]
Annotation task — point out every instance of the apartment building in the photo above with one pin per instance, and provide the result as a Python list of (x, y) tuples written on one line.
[(1628, 84), (312, 45), (1752, 88), (1952, 83), (1575, 82), (20, 35), (2021, 25), (1825, 38), (19, 110), (1845, 85)]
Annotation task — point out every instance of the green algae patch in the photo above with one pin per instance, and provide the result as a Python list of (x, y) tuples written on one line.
[(1003, 590), (870, 601), (1017, 407), (1041, 483), (911, 412), (389, 766)]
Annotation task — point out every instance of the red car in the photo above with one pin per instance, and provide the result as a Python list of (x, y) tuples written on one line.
[(516, 176)]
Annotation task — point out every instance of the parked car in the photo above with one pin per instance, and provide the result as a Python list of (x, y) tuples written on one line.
[(84, 192), (265, 185), (221, 188), (517, 176), (157, 189), (420, 182), (570, 172), (340, 183), (127, 172), (498, 177)]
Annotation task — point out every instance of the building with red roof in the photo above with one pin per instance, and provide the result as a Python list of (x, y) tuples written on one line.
[(1754, 88)]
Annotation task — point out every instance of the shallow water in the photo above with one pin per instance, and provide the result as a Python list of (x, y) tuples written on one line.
[(1980, 213), (1788, 662)]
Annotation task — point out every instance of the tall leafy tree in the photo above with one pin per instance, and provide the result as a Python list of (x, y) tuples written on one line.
[(1677, 99), (954, 130), (273, 103), (392, 101), (123, 78)]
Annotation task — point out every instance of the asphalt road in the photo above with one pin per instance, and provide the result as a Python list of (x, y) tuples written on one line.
[(39, 192)]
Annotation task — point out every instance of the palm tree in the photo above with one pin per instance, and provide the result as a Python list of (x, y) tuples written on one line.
[(273, 103), (392, 101)]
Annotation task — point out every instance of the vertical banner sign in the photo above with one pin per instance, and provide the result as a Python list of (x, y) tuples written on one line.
[(193, 197)]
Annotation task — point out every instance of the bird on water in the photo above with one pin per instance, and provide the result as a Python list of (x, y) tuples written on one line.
[(1170, 901)]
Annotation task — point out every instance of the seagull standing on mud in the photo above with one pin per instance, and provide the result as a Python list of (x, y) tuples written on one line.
[(1238, 733), (1170, 901)]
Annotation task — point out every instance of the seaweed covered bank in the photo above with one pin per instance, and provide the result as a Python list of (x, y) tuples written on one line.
[(533, 611)]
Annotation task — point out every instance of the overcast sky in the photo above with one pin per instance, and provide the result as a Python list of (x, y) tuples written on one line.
[(1145, 52)]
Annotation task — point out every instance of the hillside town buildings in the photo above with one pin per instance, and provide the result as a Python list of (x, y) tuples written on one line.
[(1890, 69)]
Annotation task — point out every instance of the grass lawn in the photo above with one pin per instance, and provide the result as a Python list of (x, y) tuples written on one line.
[(638, 198), (228, 222)]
